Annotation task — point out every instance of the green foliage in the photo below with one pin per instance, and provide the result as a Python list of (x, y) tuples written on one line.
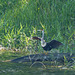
[(19, 18)]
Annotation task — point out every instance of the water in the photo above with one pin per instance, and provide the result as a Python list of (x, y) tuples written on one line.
[(8, 68)]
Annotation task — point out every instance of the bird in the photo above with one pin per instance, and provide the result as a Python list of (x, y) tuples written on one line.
[(47, 46)]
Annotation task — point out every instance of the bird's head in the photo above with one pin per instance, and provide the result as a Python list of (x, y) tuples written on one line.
[(42, 30)]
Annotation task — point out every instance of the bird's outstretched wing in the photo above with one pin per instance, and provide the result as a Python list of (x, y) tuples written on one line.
[(54, 44), (36, 38)]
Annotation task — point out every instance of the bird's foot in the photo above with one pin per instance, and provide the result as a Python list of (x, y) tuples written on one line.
[(45, 52)]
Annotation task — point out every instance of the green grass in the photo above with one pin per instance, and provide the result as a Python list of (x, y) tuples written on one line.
[(6, 56), (19, 19)]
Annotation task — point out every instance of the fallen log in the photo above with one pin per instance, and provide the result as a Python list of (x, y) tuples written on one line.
[(59, 57)]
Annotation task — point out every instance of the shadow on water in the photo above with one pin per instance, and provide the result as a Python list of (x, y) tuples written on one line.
[(8, 68)]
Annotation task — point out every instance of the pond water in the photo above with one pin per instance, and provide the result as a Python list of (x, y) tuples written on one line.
[(8, 68)]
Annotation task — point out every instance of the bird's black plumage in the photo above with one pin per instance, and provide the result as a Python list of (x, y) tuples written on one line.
[(52, 44), (48, 46)]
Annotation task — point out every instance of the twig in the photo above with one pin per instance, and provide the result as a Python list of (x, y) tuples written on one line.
[(38, 62)]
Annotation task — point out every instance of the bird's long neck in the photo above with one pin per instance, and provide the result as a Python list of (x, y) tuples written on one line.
[(43, 43), (42, 34)]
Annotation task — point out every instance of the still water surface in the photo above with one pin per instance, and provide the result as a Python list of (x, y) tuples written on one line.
[(24, 69)]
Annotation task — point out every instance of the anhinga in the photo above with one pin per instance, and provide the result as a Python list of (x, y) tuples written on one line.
[(47, 46)]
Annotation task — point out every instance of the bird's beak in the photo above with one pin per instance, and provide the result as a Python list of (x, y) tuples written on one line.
[(40, 30)]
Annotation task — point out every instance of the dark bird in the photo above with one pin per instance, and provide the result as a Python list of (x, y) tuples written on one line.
[(47, 46)]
